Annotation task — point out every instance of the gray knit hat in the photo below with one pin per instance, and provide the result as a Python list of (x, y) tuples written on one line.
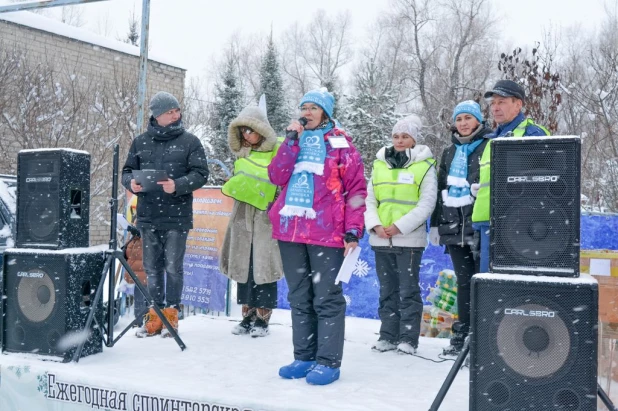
[(162, 102)]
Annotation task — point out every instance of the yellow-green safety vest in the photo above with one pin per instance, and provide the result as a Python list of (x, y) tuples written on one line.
[(480, 212), (398, 190), (250, 183)]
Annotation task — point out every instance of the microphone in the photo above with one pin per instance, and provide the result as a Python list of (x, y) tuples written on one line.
[(292, 134)]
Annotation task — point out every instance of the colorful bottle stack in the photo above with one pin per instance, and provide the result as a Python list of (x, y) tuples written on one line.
[(438, 317)]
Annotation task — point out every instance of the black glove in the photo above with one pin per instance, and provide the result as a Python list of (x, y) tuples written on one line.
[(350, 238), (293, 135), (134, 231)]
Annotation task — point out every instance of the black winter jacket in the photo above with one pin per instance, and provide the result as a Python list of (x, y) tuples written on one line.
[(182, 156), (455, 223)]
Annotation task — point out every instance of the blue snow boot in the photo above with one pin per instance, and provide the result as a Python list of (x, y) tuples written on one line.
[(298, 369), (322, 375)]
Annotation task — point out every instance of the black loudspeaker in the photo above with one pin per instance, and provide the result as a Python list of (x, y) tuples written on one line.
[(533, 343), (46, 302), (535, 206), (53, 197)]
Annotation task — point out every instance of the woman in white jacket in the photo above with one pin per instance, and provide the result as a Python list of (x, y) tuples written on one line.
[(400, 198)]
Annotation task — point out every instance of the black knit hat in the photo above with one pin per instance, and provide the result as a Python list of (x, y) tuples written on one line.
[(507, 88)]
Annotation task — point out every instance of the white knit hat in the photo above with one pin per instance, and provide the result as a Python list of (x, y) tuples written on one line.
[(411, 126)]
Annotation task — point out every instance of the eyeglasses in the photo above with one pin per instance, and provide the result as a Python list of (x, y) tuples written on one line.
[(246, 130), (313, 109)]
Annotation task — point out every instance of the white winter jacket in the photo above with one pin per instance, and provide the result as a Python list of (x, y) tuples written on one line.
[(411, 225)]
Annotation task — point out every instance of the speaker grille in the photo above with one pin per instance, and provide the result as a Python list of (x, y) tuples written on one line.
[(535, 193), (41, 218), (47, 300), (36, 297), (533, 347), (533, 343), (53, 195)]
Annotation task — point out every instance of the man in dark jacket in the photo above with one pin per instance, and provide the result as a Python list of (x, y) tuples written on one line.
[(165, 215)]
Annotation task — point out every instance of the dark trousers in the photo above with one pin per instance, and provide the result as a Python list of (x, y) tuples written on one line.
[(401, 305), (317, 304), (164, 251), (256, 295), (465, 266)]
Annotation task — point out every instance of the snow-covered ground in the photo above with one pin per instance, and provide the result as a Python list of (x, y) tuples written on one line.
[(218, 367)]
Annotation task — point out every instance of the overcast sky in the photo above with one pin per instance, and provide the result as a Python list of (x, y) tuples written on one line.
[(190, 32)]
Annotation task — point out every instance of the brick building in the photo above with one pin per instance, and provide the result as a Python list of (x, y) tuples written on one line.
[(62, 86)]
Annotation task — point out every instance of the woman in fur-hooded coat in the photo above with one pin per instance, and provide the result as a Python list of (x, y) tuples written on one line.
[(249, 254)]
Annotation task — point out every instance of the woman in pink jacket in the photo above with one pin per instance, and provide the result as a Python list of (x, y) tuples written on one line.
[(318, 219)]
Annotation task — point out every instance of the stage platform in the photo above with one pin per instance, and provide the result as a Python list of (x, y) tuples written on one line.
[(224, 372)]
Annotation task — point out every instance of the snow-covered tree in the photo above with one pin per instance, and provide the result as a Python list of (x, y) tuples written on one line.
[(59, 105), (370, 113), (313, 54), (589, 85), (134, 30), (448, 56), (271, 85), (228, 103), (332, 85)]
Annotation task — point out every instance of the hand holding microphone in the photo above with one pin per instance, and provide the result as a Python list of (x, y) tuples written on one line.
[(296, 128)]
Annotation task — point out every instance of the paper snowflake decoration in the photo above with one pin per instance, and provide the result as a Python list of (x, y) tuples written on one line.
[(362, 268)]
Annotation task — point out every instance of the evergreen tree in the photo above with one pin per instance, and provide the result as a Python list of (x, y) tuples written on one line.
[(228, 103), (271, 85), (134, 29), (331, 86), (370, 113)]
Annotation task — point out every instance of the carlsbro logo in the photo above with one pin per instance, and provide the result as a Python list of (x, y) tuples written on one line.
[(38, 179), (28, 274), (532, 179), (529, 313)]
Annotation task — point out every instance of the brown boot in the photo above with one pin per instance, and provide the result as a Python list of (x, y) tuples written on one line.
[(152, 325), (248, 317), (172, 316), (260, 327)]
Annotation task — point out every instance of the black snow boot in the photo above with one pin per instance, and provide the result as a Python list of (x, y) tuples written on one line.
[(460, 332)]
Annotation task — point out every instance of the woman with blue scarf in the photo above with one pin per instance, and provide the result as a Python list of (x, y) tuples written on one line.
[(451, 222), (317, 219)]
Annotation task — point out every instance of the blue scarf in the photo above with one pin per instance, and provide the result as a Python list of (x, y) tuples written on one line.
[(310, 161), (459, 189)]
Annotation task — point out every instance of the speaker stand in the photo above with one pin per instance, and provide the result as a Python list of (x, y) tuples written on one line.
[(451, 375), (605, 399), (108, 336), (114, 254)]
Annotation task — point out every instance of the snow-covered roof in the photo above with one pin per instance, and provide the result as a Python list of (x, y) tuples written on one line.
[(36, 21), (70, 150)]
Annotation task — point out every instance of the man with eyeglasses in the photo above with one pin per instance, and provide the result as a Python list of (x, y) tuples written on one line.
[(165, 216)]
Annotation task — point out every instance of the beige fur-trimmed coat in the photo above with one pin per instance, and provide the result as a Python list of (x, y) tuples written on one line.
[(248, 225)]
